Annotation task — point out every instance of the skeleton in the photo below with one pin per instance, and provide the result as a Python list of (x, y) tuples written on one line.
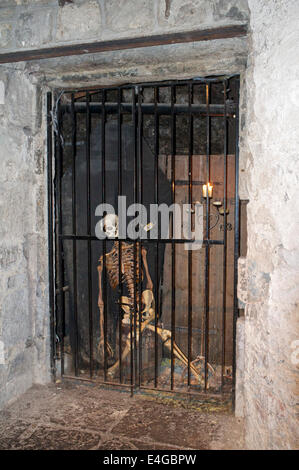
[(127, 277)]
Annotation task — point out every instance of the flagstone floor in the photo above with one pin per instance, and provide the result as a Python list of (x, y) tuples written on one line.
[(69, 415)]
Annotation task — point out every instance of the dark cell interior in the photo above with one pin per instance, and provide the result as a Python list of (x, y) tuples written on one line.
[(167, 312)]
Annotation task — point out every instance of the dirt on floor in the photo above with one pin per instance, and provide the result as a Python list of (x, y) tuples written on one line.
[(69, 415)]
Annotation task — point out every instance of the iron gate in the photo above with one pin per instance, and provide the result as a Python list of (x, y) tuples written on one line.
[(145, 313)]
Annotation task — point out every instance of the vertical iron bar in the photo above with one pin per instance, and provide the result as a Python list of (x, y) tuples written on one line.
[(173, 152), (156, 289), (89, 233), (104, 246), (190, 196), (50, 233), (140, 188), (224, 237), (134, 352), (74, 220), (119, 121), (207, 252), (59, 242), (236, 245)]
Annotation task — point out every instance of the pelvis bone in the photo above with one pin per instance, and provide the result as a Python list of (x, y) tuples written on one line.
[(148, 301)]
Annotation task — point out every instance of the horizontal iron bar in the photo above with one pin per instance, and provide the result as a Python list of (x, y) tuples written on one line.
[(143, 240), (63, 289), (151, 108), (194, 81), (221, 396), (195, 183), (222, 32), (204, 395), (194, 330), (102, 382)]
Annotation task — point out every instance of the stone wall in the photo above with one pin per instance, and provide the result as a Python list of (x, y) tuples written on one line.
[(37, 23), (269, 179), (24, 313)]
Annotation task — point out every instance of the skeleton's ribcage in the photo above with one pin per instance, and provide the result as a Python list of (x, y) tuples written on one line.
[(128, 277)]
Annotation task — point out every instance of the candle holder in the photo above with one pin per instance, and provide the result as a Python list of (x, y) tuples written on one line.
[(220, 208)]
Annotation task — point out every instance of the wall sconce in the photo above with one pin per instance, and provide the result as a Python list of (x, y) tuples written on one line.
[(207, 190)]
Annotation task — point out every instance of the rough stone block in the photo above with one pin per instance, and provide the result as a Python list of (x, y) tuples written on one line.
[(25, 2), (20, 99), (10, 166), (123, 15), (6, 35), (34, 27), (7, 11), (77, 22), (242, 280), (201, 13), (231, 11), (17, 281), (16, 323), (240, 369), (2, 92), (186, 12), (3, 378), (2, 353), (8, 256), (20, 363)]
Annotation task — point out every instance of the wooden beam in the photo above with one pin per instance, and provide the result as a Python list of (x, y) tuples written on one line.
[(223, 32)]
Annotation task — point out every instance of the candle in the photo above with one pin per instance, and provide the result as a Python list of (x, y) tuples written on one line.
[(207, 190)]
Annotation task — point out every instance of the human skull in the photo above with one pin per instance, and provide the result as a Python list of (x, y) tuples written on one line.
[(110, 225)]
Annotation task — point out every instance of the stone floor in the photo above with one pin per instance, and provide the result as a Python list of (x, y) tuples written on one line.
[(84, 416)]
